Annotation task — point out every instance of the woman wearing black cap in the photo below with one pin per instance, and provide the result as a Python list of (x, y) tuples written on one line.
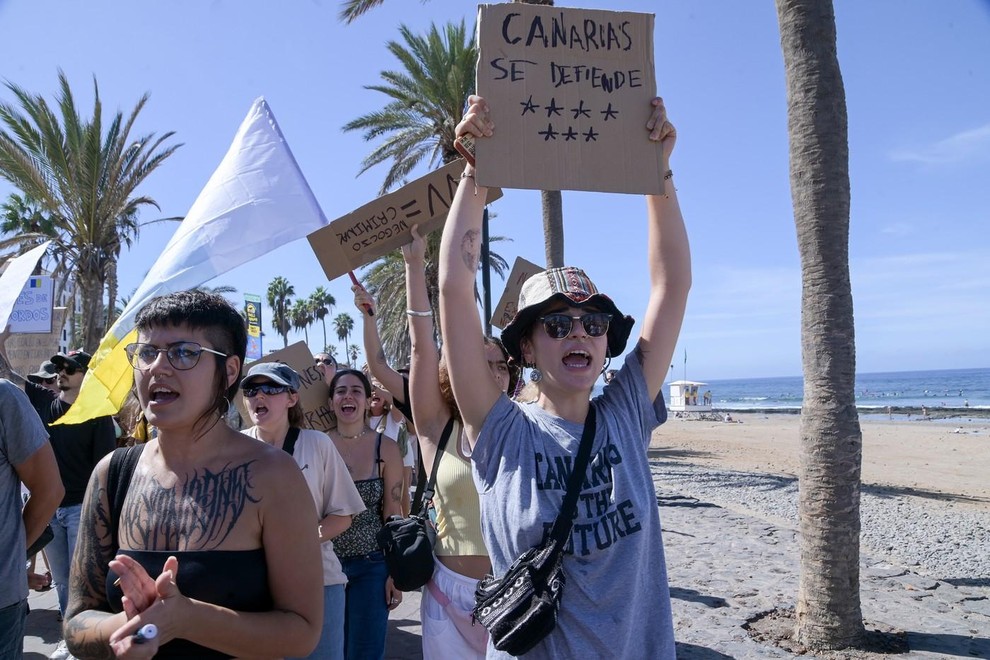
[(616, 602)]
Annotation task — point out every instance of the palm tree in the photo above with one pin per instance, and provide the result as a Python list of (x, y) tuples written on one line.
[(84, 181), (301, 316), (427, 98), (344, 325), (322, 301), (427, 101), (551, 200), (354, 354), (280, 294), (828, 608)]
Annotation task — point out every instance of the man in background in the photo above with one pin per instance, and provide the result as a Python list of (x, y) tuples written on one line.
[(25, 456), (78, 448)]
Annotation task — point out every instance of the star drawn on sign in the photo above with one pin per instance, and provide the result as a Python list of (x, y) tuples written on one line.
[(528, 105), (591, 136), (553, 108), (609, 112), (548, 134), (571, 134), (581, 110)]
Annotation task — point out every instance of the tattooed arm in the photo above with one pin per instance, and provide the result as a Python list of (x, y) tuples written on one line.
[(88, 620), (669, 264), (460, 253)]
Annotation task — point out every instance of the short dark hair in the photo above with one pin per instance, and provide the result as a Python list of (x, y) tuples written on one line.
[(222, 324)]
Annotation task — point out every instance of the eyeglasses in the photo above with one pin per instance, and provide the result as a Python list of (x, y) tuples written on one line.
[(268, 389), (326, 361), (68, 370), (558, 326), (182, 355), (50, 381)]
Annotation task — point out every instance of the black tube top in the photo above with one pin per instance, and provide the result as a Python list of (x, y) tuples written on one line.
[(235, 579)]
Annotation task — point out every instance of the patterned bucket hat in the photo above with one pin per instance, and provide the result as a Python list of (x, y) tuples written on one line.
[(569, 285)]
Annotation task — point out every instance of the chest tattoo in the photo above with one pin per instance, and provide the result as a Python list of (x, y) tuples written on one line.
[(197, 513)]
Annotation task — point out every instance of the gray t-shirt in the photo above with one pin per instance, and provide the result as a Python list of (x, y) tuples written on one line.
[(21, 434), (616, 602)]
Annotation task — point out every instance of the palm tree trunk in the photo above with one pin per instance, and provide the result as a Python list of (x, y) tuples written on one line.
[(324, 322), (828, 608), (111, 294), (553, 227), (91, 309)]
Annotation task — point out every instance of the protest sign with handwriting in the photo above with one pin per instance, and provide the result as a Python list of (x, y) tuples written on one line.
[(569, 92), (383, 225)]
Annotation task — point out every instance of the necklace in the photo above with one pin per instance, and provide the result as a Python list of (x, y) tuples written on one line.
[(351, 437)]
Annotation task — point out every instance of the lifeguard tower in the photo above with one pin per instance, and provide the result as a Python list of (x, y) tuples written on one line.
[(689, 396)]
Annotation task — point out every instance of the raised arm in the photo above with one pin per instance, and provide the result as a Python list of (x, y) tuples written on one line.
[(429, 408), (380, 369), (669, 265), (460, 254)]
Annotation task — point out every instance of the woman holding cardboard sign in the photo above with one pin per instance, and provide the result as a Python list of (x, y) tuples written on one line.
[(565, 330)]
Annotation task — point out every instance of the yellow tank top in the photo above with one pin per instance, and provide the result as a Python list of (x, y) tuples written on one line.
[(457, 506)]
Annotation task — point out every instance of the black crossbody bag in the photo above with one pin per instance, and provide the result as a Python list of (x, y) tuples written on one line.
[(520, 608), (407, 543)]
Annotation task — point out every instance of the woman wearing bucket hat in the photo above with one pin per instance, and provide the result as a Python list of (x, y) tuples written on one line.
[(271, 394), (565, 330)]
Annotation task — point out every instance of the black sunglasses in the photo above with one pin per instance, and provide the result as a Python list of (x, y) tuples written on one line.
[(68, 370), (326, 361), (182, 355), (269, 389), (558, 326)]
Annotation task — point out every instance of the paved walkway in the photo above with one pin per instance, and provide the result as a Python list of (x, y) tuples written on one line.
[(725, 567)]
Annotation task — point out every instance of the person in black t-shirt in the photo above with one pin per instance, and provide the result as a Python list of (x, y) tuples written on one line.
[(78, 448)]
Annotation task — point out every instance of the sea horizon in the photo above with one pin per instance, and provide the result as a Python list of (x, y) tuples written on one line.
[(916, 391)]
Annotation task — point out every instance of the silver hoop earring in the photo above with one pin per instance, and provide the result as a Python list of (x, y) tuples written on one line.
[(535, 375)]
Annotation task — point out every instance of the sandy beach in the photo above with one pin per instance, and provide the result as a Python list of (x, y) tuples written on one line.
[(925, 458)]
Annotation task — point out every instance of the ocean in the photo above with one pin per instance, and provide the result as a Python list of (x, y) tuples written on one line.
[(950, 388)]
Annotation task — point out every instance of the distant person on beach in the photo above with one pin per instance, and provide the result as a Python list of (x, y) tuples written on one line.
[(565, 330), (215, 539)]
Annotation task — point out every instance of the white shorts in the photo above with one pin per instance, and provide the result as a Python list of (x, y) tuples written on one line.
[(445, 613)]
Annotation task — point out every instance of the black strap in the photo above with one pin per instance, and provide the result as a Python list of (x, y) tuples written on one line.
[(122, 464), (424, 490), (565, 519), (290, 440)]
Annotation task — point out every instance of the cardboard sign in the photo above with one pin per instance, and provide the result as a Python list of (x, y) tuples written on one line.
[(376, 229), (522, 270), (28, 351), (252, 311), (33, 308), (314, 393), (569, 92)]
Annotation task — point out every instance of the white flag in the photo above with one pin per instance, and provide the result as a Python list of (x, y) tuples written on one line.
[(256, 201), (12, 281)]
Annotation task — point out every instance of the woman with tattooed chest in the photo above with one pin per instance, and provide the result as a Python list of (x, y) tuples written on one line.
[(197, 543)]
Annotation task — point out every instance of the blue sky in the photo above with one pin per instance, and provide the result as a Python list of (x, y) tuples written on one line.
[(917, 78)]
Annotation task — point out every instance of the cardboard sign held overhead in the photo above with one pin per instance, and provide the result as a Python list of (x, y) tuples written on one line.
[(522, 270), (314, 393), (569, 92), (383, 225), (33, 310)]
